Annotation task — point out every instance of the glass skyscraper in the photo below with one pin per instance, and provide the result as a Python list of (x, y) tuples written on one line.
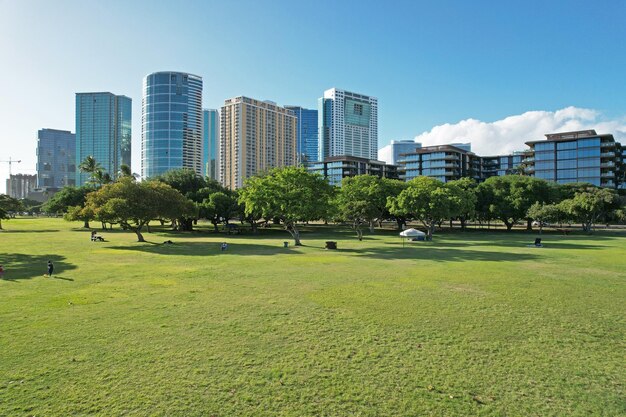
[(56, 158), (210, 143), (171, 132), (307, 142), (103, 130)]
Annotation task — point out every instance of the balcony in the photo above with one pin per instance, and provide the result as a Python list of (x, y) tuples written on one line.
[(607, 144), (609, 174), (607, 164), (607, 155)]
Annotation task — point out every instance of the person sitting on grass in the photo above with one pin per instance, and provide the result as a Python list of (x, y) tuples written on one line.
[(224, 246)]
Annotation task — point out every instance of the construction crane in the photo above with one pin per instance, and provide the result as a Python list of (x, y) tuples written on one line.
[(11, 162)]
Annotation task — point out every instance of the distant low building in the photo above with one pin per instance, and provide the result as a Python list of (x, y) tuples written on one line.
[(391, 154), (336, 168), (18, 185), (444, 162)]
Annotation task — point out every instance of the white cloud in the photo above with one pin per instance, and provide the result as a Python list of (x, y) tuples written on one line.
[(510, 134)]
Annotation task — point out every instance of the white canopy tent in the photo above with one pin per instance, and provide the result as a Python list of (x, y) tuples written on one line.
[(412, 233)]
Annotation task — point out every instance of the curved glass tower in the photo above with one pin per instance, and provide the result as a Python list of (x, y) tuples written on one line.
[(171, 123)]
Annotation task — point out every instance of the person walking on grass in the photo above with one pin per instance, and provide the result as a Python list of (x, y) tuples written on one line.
[(50, 268)]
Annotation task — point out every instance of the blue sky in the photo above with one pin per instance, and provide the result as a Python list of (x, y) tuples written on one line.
[(429, 63)]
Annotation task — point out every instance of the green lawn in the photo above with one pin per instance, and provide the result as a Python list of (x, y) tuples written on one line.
[(470, 324)]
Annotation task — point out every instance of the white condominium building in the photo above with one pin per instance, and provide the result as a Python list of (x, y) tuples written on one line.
[(348, 125)]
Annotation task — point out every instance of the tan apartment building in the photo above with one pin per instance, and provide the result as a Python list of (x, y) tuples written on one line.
[(255, 136)]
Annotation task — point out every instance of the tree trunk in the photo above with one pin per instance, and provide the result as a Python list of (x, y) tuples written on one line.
[(148, 227), (371, 228), (293, 231), (509, 225), (215, 229), (85, 224), (139, 235), (430, 231), (463, 223), (0, 224), (529, 225)]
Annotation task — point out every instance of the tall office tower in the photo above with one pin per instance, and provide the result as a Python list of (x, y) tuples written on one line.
[(392, 153), (171, 128), (255, 136), (306, 148), (18, 185), (103, 130), (348, 125), (210, 143), (56, 158)]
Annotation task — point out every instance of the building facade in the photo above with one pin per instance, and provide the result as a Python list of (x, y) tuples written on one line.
[(103, 130), (444, 162), (348, 125), (499, 165), (336, 168), (255, 136), (18, 185), (172, 118), (210, 143), (580, 156), (391, 153), (56, 158), (307, 140)]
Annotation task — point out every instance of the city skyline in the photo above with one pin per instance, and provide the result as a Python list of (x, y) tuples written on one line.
[(525, 70)]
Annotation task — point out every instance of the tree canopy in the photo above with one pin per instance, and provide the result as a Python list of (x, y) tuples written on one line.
[(8, 207), (133, 204), (290, 194)]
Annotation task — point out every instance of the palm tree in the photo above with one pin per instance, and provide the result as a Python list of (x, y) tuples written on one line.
[(125, 171), (97, 176)]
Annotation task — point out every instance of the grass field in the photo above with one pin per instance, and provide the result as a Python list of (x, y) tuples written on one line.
[(470, 324)]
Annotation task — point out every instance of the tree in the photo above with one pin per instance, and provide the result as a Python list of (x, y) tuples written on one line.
[(465, 191), (97, 175), (290, 194), (66, 198), (591, 205), (8, 207), (220, 206), (133, 204), (511, 196), (125, 171), (187, 182), (363, 199), (546, 213), (428, 200)]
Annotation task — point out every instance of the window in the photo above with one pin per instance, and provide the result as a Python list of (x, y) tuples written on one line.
[(358, 109)]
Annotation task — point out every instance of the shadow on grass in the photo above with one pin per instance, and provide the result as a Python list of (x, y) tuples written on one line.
[(29, 231), (19, 266), (208, 249), (440, 254)]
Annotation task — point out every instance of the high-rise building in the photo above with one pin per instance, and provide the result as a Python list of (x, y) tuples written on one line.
[(103, 130), (56, 158), (210, 143), (581, 156), (255, 136), (171, 129), (348, 125), (391, 153), (18, 185), (306, 148)]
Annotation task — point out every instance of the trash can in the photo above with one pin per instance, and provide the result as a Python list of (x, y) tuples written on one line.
[(285, 244)]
